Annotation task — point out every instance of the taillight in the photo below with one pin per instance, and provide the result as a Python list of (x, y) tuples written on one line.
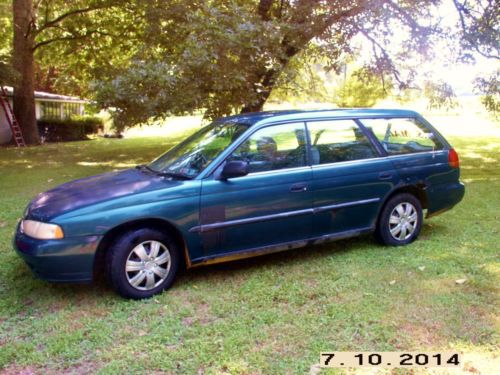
[(453, 160)]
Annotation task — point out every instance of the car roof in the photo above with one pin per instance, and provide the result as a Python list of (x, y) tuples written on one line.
[(300, 115)]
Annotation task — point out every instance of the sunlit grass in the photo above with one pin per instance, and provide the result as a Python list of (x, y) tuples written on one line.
[(266, 315)]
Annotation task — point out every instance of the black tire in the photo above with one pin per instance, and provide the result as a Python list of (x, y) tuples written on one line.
[(124, 249), (383, 231)]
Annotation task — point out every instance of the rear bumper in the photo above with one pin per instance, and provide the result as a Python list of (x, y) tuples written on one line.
[(66, 260), (443, 197)]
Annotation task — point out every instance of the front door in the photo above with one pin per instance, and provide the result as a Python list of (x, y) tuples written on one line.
[(271, 205)]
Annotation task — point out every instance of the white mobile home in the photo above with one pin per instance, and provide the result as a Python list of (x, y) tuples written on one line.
[(46, 106)]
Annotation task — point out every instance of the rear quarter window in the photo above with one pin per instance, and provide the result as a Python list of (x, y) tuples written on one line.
[(403, 135)]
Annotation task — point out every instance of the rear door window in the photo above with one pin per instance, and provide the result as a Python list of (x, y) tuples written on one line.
[(338, 140), (403, 135)]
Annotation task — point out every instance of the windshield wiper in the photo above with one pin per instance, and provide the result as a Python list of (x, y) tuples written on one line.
[(146, 167), (179, 176)]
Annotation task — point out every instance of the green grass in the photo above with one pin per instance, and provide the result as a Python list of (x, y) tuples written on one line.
[(272, 314)]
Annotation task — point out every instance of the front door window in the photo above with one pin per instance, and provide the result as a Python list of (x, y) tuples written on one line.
[(273, 148)]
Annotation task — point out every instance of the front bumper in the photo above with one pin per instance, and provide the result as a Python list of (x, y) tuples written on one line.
[(65, 260)]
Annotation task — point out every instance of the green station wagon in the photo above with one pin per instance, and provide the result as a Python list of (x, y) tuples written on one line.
[(243, 186)]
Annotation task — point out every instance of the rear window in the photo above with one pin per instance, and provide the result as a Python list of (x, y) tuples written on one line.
[(403, 135)]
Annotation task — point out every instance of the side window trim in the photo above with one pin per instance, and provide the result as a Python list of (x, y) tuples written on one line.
[(209, 173), (308, 145), (304, 167)]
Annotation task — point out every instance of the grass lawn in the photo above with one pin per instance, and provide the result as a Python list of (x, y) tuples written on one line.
[(269, 315)]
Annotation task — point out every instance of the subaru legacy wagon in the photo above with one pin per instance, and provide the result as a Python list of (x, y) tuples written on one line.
[(243, 186)]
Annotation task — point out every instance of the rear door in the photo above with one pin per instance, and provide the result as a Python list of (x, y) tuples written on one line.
[(271, 205), (350, 179)]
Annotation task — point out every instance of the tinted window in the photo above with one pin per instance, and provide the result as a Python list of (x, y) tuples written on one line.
[(339, 140), (403, 135), (274, 147)]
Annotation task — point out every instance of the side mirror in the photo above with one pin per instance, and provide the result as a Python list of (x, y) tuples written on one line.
[(234, 168)]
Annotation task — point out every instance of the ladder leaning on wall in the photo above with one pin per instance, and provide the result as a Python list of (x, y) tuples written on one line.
[(11, 119)]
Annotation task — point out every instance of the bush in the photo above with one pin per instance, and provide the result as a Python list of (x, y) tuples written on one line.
[(73, 129)]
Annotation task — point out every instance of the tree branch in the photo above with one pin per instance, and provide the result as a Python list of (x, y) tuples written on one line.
[(409, 19), (70, 37), (49, 41), (461, 9), (292, 49), (385, 57), (70, 13)]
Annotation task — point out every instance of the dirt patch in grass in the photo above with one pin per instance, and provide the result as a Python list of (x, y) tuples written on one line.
[(58, 305), (422, 335), (82, 368), (21, 370)]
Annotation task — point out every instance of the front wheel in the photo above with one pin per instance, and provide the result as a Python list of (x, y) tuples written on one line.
[(142, 263), (400, 221)]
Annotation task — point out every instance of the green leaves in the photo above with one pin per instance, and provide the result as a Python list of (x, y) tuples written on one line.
[(6, 27), (193, 56), (490, 88), (90, 39), (440, 95), (146, 59), (361, 89)]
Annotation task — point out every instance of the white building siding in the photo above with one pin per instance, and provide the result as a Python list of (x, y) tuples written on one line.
[(5, 131)]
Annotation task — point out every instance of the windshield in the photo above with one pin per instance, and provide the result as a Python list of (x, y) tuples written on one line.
[(192, 156)]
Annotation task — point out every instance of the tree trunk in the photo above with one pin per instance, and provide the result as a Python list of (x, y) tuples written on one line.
[(257, 105), (268, 82), (24, 87)]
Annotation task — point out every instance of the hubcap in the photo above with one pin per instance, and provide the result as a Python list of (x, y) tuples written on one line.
[(148, 265), (403, 221)]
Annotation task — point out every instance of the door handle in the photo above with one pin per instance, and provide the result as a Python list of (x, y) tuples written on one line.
[(385, 176), (298, 188)]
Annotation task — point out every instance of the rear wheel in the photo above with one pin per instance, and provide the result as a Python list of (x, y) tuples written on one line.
[(400, 221), (142, 263)]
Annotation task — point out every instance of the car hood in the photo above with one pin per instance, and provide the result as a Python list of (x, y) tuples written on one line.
[(91, 190)]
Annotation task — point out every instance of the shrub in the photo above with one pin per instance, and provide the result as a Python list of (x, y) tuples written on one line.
[(71, 129)]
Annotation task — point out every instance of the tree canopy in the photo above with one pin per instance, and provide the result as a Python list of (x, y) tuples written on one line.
[(144, 59), (226, 56)]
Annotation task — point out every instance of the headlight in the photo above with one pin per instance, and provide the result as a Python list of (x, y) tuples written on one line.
[(41, 231)]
